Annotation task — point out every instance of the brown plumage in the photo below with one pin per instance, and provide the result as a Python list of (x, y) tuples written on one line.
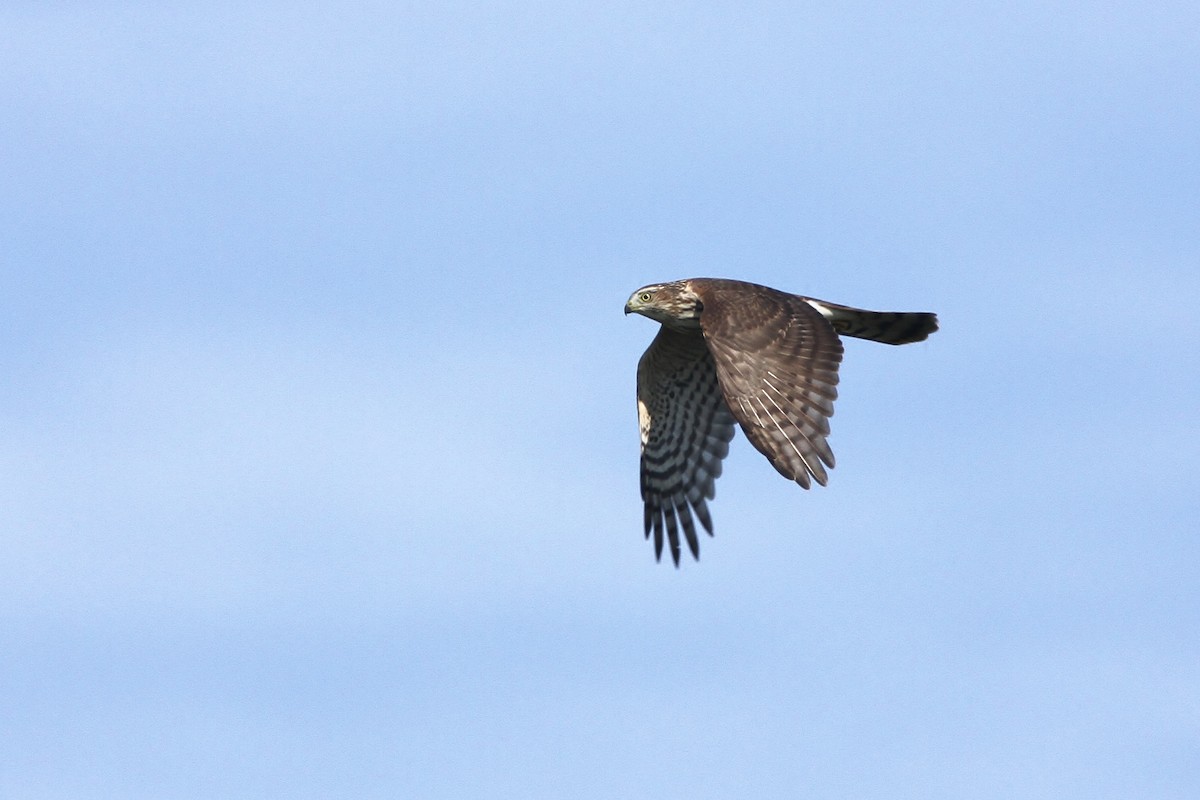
[(728, 352)]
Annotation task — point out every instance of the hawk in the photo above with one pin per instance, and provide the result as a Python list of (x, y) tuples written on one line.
[(732, 352)]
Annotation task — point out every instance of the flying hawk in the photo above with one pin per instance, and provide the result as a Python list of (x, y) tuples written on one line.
[(726, 352)]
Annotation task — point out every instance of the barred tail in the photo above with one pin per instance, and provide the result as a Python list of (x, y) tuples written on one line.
[(888, 327)]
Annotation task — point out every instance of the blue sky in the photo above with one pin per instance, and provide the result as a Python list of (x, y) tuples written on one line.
[(319, 463)]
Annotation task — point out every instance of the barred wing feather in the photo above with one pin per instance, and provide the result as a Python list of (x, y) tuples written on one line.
[(685, 430), (776, 359)]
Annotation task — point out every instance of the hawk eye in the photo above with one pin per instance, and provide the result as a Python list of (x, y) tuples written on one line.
[(644, 297)]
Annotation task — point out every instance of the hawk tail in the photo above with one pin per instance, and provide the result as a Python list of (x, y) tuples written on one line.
[(888, 327)]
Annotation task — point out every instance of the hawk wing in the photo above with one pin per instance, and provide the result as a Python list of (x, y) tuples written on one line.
[(776, 358), (685, 428)]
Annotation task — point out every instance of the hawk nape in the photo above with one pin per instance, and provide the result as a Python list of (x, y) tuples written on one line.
[(728, 352)]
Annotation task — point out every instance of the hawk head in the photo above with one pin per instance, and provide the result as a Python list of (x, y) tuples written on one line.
[(673, 304)]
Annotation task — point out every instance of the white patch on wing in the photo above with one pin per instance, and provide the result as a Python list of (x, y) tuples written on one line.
[(643, 423), (825, 310)]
